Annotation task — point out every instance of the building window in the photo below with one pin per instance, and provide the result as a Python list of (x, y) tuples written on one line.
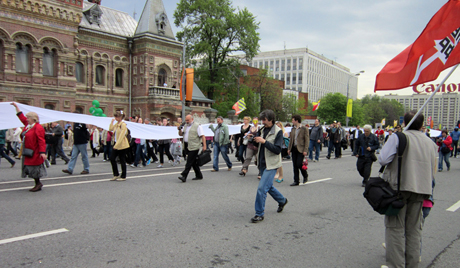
[(49, 62), (135, 70), (134, 81), (282, 77), (22, 58), (277, 76), (175, 63), (151, 59), (300, 79), (288, 79), (79, 109), (141, 70), (294, 79), (141, 80), (162, 77), (49, 106), (79, 75), (100, 73), (141, 59), (135, 60), (119, 78)]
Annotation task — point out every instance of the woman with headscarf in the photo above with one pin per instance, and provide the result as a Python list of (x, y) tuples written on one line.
[(33, 149)]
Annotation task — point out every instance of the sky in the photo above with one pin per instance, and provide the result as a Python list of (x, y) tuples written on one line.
[(359, 34)]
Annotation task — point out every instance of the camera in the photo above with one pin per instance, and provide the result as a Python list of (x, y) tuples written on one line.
[(251, 139), (181, 126)]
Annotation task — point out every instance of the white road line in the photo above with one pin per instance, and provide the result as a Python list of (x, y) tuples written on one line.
[(321, 180), (19, 238), (454, 207)]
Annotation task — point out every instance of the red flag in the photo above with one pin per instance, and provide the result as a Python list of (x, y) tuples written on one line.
[(434, 51), (316, 105)]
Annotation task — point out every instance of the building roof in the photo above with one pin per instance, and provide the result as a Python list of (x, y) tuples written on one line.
[(111, 21), (154, 20), (198, 95)]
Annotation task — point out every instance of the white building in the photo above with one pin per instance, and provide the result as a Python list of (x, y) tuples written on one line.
[(306, 71), (444, 108)]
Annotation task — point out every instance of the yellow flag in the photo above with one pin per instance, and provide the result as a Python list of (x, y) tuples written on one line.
[(395, 123), (350, 108), (383, 121)]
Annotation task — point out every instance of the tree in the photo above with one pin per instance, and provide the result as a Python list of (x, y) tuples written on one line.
[(332, 108), (216, 31)]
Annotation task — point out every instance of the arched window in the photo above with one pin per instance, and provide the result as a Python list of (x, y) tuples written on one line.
[(79, 74), (49, 106), (100, 74), (119, 78), (2, 50), (79, 109), (162, 77), (49, 62), (22, 58)]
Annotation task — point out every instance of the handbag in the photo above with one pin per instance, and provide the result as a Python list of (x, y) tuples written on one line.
[(379, 193), (373, 157), (27, 152), (203, 158), (445, 150)]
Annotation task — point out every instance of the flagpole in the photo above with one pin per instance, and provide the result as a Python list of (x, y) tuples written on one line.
[(432, 95)]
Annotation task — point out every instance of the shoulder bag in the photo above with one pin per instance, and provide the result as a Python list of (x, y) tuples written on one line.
[(379, 193)]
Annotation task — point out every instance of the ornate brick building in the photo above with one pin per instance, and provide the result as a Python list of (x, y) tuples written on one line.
[(62, 54)]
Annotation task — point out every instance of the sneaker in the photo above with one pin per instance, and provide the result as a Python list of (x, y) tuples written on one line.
[(171, 162), (257, 219), (103, 160), (115, 178), (67, 171), (281, 207), (84, 172), (121, 179), (148, 162), (448, 168), (160, 166), (315, 160), (384, 245), (156, 162), (439, 170), (133, 166)]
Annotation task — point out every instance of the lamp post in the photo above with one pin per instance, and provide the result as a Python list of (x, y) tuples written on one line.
[(197, 21), (348, 87)]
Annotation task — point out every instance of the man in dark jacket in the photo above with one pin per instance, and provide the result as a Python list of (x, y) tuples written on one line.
[(56, 146), (315, 140), (81, 137), (365, 147)]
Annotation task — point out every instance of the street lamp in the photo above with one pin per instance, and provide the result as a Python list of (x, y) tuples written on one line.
[(197, 21), (348, 87)]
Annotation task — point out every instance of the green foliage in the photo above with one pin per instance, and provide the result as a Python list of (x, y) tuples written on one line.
[(332, 108), (215, 30), (291, 105), (310, 109), (377, 108)]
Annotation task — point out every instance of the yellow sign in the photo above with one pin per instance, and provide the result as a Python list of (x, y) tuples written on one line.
[(349, 108)]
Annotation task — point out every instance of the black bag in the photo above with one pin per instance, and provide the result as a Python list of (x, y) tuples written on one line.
[(445, 150), (379, 193), (203, 158), (373, 157), (27, 152)]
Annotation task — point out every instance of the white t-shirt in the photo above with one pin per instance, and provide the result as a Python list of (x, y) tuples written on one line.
[(187, 130)]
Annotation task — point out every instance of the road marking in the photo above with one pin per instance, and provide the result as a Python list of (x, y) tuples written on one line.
[(321, 180), (25, 237), (454, 207)]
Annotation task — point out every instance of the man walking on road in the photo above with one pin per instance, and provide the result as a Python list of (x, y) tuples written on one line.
[(315, 140), (298, 144), (193, 139), (56, 147), (81, 137), (455, 136), (269, 160), (403, 231), (365, 150), (221, 141)]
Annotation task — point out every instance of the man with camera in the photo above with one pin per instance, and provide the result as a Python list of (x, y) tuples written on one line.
[(270, 140), (193, 139)]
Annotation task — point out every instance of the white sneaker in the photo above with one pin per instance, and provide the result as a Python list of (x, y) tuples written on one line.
[(171, 162), (384, 266), (133, 165), (103, 160), (314, 160), (156, 162), (384, 245), (160, 166)]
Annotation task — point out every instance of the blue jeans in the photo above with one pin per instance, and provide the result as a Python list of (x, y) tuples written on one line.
[(76, 150), (139, 155), (446, 159), (4, 155), (223, 150), (107, 150), (313, 144), (266, 186)]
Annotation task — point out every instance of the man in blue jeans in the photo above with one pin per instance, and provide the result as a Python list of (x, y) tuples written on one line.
[(221, 141), (315, 140), (81, 135), (270, 141), (455, 136)]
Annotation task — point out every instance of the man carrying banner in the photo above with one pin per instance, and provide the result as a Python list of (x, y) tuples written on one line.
[(193, 139)]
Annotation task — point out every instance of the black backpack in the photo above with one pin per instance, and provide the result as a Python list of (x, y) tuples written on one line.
[(379, 193)]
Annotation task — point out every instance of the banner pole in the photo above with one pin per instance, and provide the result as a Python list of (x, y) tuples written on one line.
[(432, 95)]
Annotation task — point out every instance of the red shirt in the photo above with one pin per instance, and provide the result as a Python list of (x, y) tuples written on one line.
[(34, 139), (379, 132)]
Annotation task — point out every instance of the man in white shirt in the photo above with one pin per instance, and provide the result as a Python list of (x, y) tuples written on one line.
[(193, 139)]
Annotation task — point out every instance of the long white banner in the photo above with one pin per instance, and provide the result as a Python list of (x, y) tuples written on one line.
[(8, 119)]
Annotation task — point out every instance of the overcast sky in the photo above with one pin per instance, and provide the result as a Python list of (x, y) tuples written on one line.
[(359, 34)]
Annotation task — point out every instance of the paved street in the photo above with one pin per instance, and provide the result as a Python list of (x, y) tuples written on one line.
[(155, 220)]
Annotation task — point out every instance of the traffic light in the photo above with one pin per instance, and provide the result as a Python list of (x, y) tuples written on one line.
[(189, 79)]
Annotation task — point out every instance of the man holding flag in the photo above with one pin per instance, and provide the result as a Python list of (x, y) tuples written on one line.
[(434, 51)]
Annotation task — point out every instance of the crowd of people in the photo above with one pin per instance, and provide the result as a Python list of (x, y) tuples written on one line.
[(265, 144)]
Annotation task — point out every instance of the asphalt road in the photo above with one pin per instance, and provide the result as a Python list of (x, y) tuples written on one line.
[(155, 220)]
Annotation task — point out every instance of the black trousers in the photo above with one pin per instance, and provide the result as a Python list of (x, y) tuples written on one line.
[(454, 151), (297, 159), (121, 154), (57, 149), (338, 149), (164, 149), (364, 166), (150, 152), (10, 148), (191, 163)]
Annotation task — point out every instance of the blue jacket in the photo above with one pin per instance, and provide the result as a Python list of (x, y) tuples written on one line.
[(363, 142), (455, 135)]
